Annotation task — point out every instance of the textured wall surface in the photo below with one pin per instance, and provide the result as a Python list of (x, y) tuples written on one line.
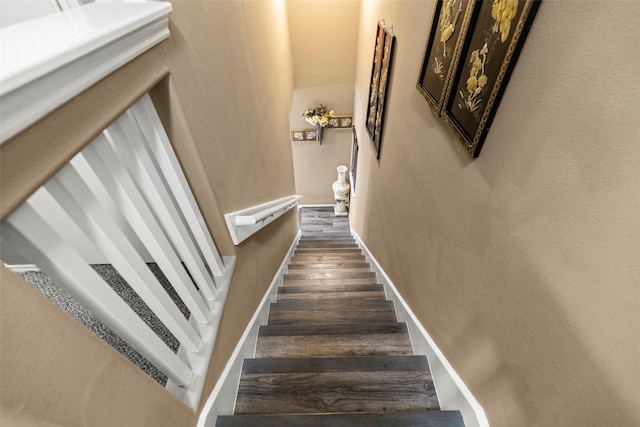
[(523, 263), (224, 95)]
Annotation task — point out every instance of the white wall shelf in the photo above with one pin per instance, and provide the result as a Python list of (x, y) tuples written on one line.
[(243, 223), (47, 61)]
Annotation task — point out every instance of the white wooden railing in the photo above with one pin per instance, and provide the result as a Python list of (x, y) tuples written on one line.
[(125, 199), (47, 61), (243, 223)]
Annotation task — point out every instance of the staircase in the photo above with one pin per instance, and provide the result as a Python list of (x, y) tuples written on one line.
[(333, 353)]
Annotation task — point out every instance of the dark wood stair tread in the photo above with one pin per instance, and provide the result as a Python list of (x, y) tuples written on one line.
[(308, 257), (333, 329), (317, 250), (332, 292), (335, 316), (306, 305), (328, 243), (335, 364), (329, 282), (330, 289), (331, 238), (334, 296), (330, 273), (347, 265), (333, 340), (346, 391), (395, 419), (337, 274), (302, 311)]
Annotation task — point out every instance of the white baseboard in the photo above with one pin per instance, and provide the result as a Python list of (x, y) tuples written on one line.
[(223, 397), (453, 394)]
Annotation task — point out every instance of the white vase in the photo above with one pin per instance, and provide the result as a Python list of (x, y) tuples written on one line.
[(341, 191)]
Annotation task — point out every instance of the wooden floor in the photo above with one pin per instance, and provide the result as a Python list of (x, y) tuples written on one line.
[(333, 352)]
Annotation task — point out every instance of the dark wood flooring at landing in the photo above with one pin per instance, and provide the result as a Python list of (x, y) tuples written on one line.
[(333, 352)]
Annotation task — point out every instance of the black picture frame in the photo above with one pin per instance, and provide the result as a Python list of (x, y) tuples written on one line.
[(382, 57), (354, 160), (449, 25), (486, 62)]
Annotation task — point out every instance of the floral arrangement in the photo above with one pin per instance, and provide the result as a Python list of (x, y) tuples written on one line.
[(319, 115)]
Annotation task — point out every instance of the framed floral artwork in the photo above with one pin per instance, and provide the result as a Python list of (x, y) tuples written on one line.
[(382, 55), (449, 25), (297, 135), (346, 122), (341, 122), (303, 135), (497, 31)]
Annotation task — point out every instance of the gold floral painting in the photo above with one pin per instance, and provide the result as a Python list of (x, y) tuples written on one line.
[(494, 40), (375, 80), (448, 27)]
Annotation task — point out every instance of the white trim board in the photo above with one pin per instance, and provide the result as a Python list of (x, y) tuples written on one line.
[(23, 268), (453, 394), (69, 51), (222, 399)]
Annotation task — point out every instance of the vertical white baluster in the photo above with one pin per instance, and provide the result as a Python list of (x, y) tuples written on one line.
[(129, 144), (38, 241), (73, 195), (160, 146), (119, 184)]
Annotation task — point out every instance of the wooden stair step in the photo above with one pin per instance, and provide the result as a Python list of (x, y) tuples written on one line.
[(351, 384), (327, 251), (306, 234), (328, 271), (330, 329), (322, 229), (305, 258), (326, 244), (394, 419), (330, 289), (305, 311), (288, 365), (337, 238), (337, 274), (333, 340), (347, 265), (332, 238), (329, 282), (332, 292), (303, 304)]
